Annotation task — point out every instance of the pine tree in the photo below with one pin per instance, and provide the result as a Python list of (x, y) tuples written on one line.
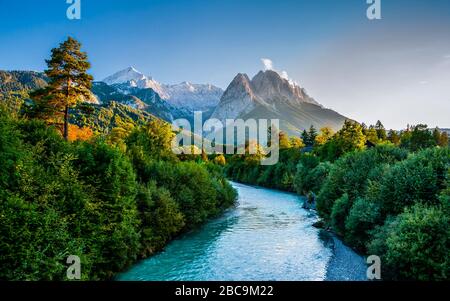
[(68, 85), (312, 135), (305, 137), (381, 131), (393, 137)]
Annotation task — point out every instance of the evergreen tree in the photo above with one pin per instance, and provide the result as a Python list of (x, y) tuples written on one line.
[(371, 135), (68, 85), (305, 137), (418, 137), (393, 137), (436, 135), (364, 128), (312, 135), (381, 131)]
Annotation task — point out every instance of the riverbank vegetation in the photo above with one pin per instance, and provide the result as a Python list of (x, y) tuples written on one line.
[(385, 193), (109, 199)]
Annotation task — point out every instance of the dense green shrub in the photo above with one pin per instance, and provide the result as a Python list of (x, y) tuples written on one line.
[(352, 173), (195, 190), (339, 213), (115, 220), (418, 247), (311, 173), (362, 217), (160, 218), (419, 178), (35, 241)]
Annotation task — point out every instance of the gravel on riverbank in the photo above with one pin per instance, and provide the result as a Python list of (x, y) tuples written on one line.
[(345, 264)]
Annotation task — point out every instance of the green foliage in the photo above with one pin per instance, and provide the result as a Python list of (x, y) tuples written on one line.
[(363, 192), (418, 246), (419, 178), (279, 176), (310, 173), (352, 173), (309, 137), (198, 195), (362, 217), (35, 241), (160, 218), (60, 198), (348, 139), (339, 213), (417, 137), (151, 142)]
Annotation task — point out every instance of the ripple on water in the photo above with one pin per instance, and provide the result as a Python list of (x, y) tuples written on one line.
[(268, 236)]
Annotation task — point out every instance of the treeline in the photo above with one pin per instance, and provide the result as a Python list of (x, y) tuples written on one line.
[(92, 200), (110, 199), (384, 193)]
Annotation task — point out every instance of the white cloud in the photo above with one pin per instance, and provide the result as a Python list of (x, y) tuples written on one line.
[(268, 64), (284, 75)]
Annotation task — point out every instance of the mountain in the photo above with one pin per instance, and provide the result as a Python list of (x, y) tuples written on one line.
[(17, 81), (145, 99), (102, 119), (185, 96), (131, 78), (20, 83), (268, 95)]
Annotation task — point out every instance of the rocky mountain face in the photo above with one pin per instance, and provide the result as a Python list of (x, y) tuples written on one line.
[(267, 95), (185, 96), (270, 96), (145, 99)]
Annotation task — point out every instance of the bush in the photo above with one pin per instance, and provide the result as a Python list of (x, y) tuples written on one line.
[(418, 247), (419, 178), (114, 221), (160, 218), (352, 173), (339, 213), (309, 179), (196, 191), (363, 217), (35, 241)]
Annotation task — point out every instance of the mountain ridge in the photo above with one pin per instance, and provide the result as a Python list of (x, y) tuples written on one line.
[(270, 96)]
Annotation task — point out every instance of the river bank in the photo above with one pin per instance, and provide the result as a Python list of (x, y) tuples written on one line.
[(267, 236)]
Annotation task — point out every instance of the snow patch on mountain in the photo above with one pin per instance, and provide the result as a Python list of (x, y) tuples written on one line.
[(185, 95)]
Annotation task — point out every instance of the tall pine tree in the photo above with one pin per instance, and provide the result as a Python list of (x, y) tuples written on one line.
[(69, 84)]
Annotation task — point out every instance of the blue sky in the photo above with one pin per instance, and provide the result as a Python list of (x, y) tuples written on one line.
[(396, 69)]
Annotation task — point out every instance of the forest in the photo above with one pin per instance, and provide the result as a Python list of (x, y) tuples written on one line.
[(384, 193), (110, 199)]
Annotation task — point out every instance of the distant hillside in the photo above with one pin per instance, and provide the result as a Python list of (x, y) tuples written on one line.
[(16, 81), (102, 119), (270, 96)]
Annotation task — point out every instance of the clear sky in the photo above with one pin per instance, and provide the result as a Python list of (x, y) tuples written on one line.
[(396, 69)]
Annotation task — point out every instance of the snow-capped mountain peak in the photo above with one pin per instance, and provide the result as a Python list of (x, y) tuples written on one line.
[(186, 95), (127, 75), (135, 79)]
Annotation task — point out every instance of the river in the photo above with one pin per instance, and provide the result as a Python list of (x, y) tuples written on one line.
[(267, 236)]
